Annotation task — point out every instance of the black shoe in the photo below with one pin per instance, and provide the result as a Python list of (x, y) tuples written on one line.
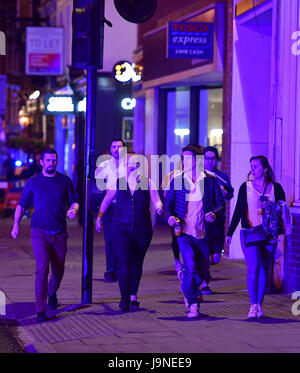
[(110, 276), (124, 306), (206, 290), (41, 316), (52, 301), (134, 305)]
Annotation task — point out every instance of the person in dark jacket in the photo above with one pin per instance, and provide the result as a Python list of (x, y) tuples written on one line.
[(248, 210), (131, 228), (111, 169), (194, 201), (217, 236)]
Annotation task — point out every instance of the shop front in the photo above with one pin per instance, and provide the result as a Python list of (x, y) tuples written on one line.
[(180, 99), (265, 112)]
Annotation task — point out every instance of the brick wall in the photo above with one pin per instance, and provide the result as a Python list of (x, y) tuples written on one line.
[(292, 259), (227, 93)]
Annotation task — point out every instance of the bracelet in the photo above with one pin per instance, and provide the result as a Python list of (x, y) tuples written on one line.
[(100, 214)]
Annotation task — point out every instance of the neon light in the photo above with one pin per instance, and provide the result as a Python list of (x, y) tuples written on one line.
[(128, 103), (60, 104), (35, 95), (216, 132), (182, 131)]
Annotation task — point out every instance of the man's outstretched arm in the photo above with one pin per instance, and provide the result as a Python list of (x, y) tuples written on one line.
[(17, 218)]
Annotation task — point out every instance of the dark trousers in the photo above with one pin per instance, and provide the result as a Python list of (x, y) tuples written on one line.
[(109, 248), (48, 249), (130, 249), (174, 244)]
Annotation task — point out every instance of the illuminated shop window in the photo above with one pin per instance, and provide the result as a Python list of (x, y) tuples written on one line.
[(127, 130), (178, 120), (210, 117)]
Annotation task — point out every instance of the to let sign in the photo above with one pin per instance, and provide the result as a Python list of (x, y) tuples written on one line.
[(190, 40), (44, 50)]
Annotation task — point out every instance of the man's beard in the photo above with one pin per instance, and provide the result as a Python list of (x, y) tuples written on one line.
[(50, 170)]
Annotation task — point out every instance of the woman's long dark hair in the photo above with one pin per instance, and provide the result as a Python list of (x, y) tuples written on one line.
[(266, 165)]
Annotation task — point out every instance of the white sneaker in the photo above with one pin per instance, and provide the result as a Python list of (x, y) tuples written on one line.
[(194, 311), (253, 311), (260, 311)]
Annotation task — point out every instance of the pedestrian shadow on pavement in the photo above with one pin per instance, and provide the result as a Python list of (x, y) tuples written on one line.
[(21, 310), (71, 308), (220, 279), (172, 273), (33, 321), (203, 317), (269, 320), (173, 301), (218, 293)]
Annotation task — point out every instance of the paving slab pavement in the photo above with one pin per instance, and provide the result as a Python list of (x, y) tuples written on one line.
[(161, 326)]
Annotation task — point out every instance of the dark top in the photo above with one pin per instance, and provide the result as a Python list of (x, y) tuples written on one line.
[(51, 197), (213, 200), (241, 207), (225, 183), (132, 212)]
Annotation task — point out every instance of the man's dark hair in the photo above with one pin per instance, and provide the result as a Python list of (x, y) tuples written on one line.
[(211, 149), (118, 139), (48, 151), (194, 148)]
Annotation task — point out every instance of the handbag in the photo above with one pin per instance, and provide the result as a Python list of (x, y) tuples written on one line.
[(255, 236)]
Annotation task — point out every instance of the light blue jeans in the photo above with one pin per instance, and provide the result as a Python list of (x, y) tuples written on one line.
[(258, 260), (195, 257)]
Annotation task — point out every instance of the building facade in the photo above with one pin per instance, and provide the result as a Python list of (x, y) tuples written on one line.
[(243, 100), (184, 100), (265, 111), (112, 118)]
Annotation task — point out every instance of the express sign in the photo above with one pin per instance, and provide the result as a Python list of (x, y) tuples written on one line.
[(190, 40)]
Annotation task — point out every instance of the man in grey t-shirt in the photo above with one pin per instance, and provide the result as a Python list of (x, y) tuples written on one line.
[(53, 198)]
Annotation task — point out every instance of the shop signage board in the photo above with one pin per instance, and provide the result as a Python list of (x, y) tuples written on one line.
[(59, 104), (190, 40), (44, 50)]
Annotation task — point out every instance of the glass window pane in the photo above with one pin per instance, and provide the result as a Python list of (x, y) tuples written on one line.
[(210, 117), (178, 120)]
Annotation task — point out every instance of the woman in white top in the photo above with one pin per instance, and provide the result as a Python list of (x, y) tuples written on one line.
[(249, 209)]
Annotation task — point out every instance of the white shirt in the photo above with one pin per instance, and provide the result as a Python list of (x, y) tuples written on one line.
[(193, 223), (108, 171), (252, 201)]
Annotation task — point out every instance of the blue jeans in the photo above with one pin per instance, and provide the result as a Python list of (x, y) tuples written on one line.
[(258, 260), (195, 257)]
